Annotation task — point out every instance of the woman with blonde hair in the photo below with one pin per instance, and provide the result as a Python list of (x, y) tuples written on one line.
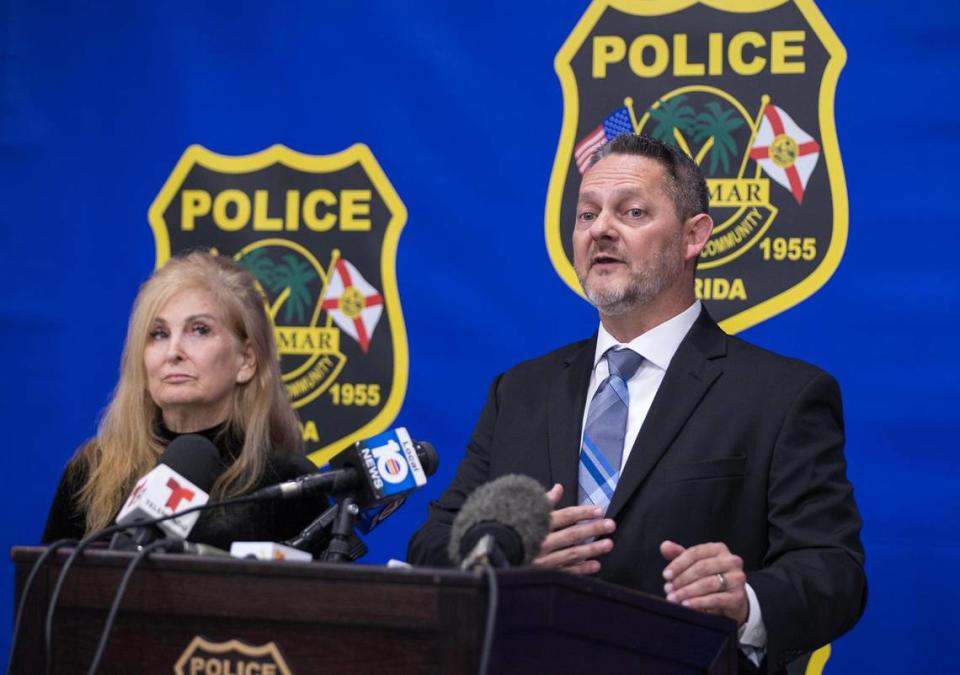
[(200, 358)]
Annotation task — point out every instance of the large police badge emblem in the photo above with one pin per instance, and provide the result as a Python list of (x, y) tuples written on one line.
[(320, 234), (746, 88)]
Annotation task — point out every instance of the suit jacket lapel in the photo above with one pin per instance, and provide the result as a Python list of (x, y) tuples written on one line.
[(567, 399), (692, 371)]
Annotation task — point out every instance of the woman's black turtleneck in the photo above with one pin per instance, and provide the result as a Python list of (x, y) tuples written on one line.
[(259, 521)]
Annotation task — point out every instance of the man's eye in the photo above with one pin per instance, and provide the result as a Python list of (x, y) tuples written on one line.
[(635, 213), (586, 216)]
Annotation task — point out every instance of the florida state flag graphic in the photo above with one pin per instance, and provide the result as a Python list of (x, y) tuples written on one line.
[(784, 151), (354, 305)]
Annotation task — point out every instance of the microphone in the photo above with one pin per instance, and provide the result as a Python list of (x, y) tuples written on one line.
[(373, 472), (503, 523), (397, 486), (182, 479), (377, 473)]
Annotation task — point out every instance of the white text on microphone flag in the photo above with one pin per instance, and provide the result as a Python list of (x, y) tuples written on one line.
[(163, 492)]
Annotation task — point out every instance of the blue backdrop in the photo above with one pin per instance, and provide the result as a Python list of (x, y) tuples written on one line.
[(461, 106)]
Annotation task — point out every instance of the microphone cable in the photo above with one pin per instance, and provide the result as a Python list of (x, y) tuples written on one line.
[(105, 532), (492, 601), (61, 580), (28, 584), (142, 555)]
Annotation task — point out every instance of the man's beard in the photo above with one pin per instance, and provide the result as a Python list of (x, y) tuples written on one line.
[(658, 271)]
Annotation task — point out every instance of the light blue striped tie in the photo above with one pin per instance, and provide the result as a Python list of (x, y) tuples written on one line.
[(606, 426)]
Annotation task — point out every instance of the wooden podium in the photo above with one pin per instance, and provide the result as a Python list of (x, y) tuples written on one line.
[(220, 616)]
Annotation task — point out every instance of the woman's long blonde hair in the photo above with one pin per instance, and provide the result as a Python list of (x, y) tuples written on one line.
[(128, 444)]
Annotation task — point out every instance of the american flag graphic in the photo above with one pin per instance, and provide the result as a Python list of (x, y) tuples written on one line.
[(616, 123)]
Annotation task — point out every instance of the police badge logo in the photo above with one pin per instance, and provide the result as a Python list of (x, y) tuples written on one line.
[(230, 656), (746, 88), (320, 234)]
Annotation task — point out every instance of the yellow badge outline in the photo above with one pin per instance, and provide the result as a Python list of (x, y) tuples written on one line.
[(358, 153), (219, 648), (829, 144)]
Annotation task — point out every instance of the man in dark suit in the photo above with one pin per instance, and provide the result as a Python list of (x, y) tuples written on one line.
[(684, 462)]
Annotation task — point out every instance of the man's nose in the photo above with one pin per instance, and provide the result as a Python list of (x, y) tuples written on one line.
[(602, 226)]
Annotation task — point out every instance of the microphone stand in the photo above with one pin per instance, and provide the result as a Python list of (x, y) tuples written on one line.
[(340, 535), (314, 529), (344, 545)]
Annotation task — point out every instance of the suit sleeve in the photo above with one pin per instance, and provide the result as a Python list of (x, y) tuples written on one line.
[(811, 586), (428, 546)]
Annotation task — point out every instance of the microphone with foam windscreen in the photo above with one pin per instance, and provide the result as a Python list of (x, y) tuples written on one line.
[(182, 479), (503, 523)]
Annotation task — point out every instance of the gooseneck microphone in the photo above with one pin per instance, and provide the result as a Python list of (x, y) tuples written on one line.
[(503, 523)]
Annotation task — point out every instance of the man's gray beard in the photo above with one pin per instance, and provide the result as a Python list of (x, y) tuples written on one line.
[(616, 301), (644, 286)]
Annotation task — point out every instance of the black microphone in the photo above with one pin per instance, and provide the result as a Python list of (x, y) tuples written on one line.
[(182, 478), (378, 477), (503, 523), (373, 472), (372, 514)]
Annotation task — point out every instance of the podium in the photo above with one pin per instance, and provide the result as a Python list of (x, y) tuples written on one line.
[(221, 616)]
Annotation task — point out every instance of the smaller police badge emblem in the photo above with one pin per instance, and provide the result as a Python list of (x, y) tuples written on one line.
[(320, 234), (744, 88), (231, 657)]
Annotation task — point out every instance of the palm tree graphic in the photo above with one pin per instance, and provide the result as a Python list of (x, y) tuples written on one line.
[(673, 117), (291, 277), (259, 265), (717, 125)]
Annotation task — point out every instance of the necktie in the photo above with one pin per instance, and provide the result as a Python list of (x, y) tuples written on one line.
[(602, 445)]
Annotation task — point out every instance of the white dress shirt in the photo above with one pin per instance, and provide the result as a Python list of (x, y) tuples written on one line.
[(657, 347)]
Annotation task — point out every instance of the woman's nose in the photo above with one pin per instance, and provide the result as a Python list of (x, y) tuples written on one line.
[(175, 347)]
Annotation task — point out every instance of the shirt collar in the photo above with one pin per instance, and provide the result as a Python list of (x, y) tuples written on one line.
[(657, 345)]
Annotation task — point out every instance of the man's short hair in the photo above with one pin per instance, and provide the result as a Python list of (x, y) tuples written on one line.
[(685, 183)]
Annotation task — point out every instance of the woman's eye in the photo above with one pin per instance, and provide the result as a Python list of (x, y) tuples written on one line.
[(158, 334), (201, 329)]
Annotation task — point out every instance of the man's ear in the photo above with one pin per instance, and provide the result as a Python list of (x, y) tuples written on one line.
[(248, 364), (696, 232)]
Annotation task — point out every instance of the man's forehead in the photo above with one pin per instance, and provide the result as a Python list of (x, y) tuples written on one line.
[(623, 174)]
